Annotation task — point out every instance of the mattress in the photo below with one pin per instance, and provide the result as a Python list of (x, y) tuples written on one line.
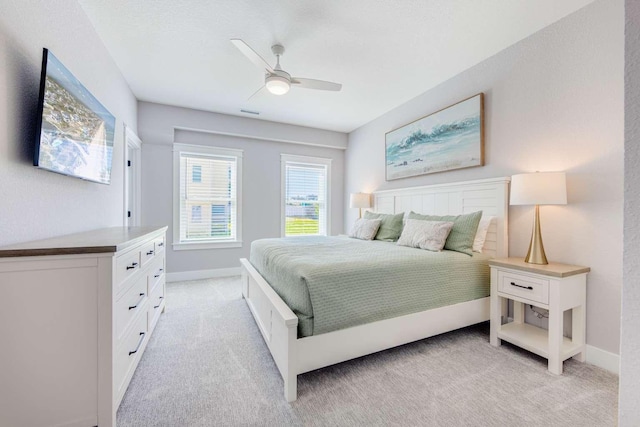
[(332, 283)]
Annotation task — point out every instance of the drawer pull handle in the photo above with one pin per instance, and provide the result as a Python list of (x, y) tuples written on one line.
[(150, 253), (160, 244), (520, 286), (133, 265), (139, 344), (155, 276), (162, 269), (131, 307), (156, 306)]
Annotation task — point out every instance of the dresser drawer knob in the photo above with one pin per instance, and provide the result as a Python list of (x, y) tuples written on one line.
[(520, 286), (133, 265), (139, 344), (160, 245), (131, 307), (150, 253), (156, 306)]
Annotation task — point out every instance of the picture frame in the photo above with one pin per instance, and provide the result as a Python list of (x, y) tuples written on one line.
[(448, 139)]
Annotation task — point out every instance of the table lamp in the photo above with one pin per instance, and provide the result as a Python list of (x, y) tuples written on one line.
[(360, 200), (540, 188)]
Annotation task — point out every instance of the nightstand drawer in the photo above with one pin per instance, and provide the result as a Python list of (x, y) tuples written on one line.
[(522, 286)]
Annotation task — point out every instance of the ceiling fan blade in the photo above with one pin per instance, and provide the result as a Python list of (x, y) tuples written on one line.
[(252, 55), (256, 92), (315, 84)]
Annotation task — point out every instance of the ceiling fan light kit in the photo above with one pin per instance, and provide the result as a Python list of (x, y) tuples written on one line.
[(276, 80), (277, 85)]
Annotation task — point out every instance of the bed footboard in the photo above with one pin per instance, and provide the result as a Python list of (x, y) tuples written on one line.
[(276, 322)]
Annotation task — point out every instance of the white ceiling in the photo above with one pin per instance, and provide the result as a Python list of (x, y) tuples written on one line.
[(384, 52)]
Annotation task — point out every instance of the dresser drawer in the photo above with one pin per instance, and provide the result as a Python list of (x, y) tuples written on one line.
[(156, 274), (159, 244), (157, 295), (523, 286), (129, 305), (147, 253), (155, 306), (128, 351), (126, 266)]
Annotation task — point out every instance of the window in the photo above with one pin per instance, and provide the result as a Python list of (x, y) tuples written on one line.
[(196, 214), (207, 189), (196, 173), (305, 195)]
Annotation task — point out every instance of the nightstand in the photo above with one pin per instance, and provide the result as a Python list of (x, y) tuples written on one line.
[(555, 287)]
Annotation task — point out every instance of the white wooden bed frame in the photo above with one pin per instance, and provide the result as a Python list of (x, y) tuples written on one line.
[(279, 325)]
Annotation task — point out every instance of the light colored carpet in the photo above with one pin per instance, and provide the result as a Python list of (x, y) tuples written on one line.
[(207, 365)]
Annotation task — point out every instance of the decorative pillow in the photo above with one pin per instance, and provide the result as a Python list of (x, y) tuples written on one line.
[(429, 235), (463, 232), (365, 229), (390, 227), (481, 234)]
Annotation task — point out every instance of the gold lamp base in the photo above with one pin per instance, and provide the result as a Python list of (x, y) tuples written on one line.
[(536, 254)]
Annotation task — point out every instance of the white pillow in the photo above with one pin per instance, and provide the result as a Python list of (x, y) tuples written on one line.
[(429, 235), (481, 234), (365, 229)]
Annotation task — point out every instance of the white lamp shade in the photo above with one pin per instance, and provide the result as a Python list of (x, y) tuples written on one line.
[(360, 200), (540, 188)]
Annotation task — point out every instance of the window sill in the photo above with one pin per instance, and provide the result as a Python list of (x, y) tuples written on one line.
[(206, 245)]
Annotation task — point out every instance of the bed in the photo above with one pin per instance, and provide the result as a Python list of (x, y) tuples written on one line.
[(336, 328)]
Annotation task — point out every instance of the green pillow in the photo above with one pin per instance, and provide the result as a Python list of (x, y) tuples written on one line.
[(463, 232), (390, 225)]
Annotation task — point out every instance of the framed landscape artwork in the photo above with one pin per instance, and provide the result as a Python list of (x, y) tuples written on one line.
[(452, 138)]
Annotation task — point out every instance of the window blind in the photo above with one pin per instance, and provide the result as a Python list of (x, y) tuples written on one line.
[(305, 199), (208, 197)]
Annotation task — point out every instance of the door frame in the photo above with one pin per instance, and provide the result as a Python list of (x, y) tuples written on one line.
[(133, 143)]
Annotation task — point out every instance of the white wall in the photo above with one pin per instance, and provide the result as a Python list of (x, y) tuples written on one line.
[(630, 337), (553, 101), (261, 173), (36, 203)]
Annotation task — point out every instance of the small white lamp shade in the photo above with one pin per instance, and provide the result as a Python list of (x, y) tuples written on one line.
[(360, 200), (540, 188)]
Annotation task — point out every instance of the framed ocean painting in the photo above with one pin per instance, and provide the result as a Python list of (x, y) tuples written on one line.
[(452, 138)]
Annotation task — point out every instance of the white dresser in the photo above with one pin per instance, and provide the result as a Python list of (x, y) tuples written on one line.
[(76, 313)]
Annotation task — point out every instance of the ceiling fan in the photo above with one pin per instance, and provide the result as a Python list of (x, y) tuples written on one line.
[(276, 80)]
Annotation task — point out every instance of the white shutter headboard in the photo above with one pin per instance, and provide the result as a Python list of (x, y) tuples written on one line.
[(491, 196)]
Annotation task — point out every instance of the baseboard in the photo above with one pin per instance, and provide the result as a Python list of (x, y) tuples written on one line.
[(202, 274), (603, 359)]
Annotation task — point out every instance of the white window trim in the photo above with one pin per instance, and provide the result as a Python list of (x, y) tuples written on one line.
[(214, 151), (284, 158)]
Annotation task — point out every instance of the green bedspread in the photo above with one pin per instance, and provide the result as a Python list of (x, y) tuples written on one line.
[(332, 283)]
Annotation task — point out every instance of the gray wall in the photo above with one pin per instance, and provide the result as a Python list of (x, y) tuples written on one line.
[(553, 101), (630, 337), (261, 173), (35, 203)]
